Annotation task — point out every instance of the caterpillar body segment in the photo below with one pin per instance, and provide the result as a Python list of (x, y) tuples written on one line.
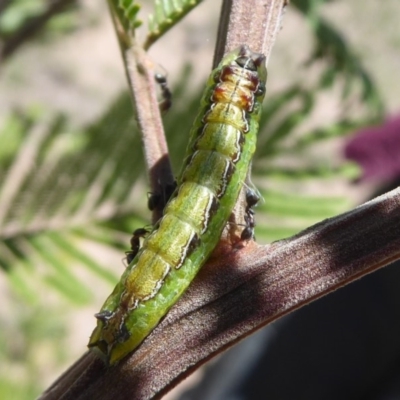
[(221, 145)]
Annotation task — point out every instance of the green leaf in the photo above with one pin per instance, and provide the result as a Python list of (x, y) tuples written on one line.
[(167, 13), (129, 12)]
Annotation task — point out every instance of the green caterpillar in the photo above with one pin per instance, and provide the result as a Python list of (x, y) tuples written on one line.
[(218, 158)]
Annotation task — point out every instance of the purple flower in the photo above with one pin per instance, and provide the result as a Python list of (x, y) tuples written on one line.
[(377, 150)]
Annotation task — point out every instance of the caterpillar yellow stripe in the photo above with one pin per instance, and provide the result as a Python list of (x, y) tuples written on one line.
[(221, 145)]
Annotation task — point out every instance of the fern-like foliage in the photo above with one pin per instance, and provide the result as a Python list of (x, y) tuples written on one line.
[(331, 47), (167, 13), (43, 210), (125, 16), (282, 168), (130, 9), (128, 12), (70, 196)]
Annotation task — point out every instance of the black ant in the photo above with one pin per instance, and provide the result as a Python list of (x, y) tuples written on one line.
[(138, 234), (166, 103), (252, 199)]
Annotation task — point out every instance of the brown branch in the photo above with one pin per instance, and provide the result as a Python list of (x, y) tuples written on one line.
[(233, 297), (253, 22), (141, 76)]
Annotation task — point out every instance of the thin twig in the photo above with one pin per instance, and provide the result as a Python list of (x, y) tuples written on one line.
[(140, 74)]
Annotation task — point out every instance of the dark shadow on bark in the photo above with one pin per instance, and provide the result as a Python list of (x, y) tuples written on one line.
[(234, 295)]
